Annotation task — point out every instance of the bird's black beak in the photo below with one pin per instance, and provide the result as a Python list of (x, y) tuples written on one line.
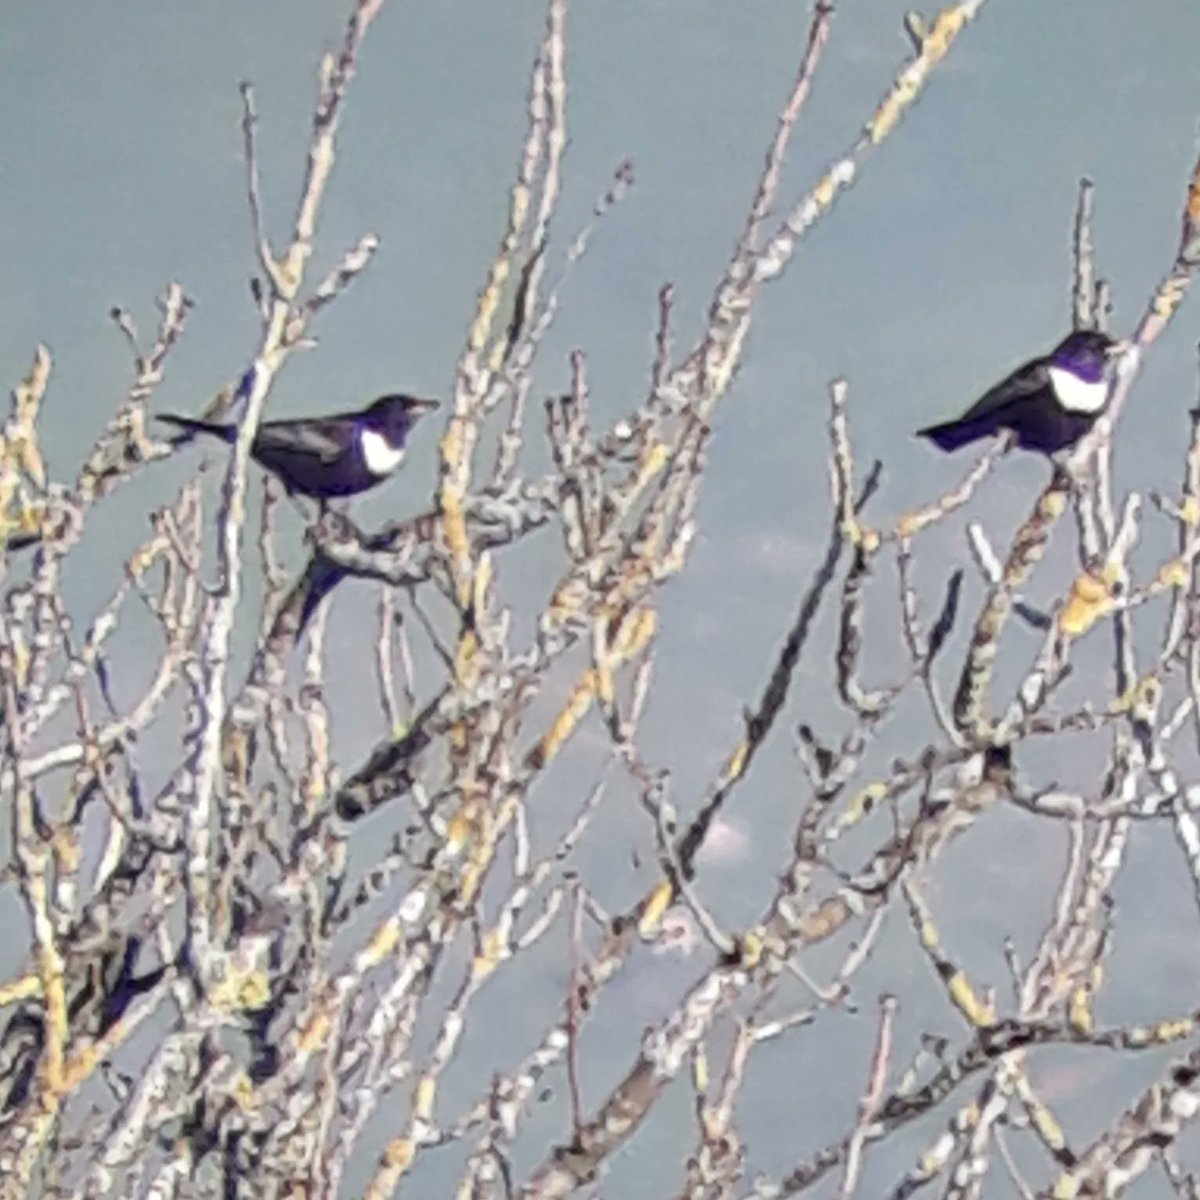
[(419, 407), (1119, 347)]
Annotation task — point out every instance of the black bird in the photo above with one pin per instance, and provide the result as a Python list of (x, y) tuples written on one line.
[(328, 457), (1049, 403)]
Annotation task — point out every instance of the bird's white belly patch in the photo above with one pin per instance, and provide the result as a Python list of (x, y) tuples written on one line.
[(381, 457), (1077, 395)]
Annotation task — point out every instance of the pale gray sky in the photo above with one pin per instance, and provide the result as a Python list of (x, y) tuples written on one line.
[(946, 264)]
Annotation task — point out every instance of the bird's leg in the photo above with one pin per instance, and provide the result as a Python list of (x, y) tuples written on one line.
[(338, 513), (301, 506), (333, 519), (326, 522)]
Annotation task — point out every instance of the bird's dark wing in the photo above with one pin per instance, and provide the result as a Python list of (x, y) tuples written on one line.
[(1023, 382), (323, 440)]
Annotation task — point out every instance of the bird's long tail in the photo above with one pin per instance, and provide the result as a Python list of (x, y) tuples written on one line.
[(950, 435), (320, 579), (190, 426)]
